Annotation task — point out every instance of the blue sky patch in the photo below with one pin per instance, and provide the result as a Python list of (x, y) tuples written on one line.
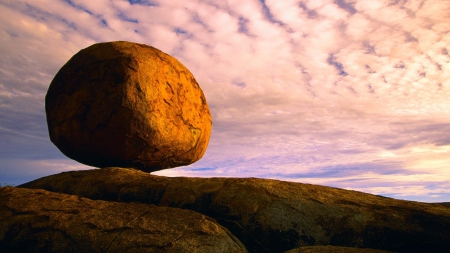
[(132, 20), (179, 31), (79, 7), (143, 2), (243, 25), (268, 14), (332, 61), (346, 6), (239, 83)]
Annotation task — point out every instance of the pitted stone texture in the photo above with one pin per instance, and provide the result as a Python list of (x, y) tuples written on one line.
[(127, 105), (41, 221)]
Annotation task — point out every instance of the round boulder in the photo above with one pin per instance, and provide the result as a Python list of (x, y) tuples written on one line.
[(123, 104)]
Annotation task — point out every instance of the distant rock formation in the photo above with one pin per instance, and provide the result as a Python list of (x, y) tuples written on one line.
[(274, 216), (128, 105), (35, 221)]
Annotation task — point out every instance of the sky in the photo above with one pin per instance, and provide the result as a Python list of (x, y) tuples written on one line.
[(352, 94)]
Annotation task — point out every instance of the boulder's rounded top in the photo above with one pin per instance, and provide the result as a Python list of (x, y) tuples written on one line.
[(127, 105), (117, 49)]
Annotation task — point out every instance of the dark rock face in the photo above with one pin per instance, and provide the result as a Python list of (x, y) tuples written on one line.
[(42, 221), (334, 249), (274, 216), (128, 105)]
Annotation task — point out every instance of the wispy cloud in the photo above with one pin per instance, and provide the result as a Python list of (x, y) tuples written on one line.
[(346, 93)]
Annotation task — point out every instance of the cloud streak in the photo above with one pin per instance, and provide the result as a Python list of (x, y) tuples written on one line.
[(352, 94)]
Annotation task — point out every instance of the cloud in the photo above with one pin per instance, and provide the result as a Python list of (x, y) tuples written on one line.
[(337, 92)]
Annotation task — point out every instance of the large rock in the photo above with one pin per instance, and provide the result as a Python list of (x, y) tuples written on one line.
[(275, 216), (41, 221), (129, 105)]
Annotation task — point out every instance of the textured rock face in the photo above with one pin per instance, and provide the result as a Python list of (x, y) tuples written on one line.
[(275, 216), (128, 105), (42, 221)]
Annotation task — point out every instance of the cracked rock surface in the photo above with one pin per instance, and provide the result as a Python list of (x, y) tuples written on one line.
[(127, 105), (42, 221), (271, 215)]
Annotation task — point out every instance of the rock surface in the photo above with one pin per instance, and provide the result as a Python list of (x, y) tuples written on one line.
[(42, 221), (274, 216), (334, 249), (128, 105)]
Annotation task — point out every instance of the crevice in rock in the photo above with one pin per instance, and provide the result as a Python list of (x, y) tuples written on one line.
[(123, 230)]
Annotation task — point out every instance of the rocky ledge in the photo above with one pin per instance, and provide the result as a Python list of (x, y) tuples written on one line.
[(42, 221), (270, 215)]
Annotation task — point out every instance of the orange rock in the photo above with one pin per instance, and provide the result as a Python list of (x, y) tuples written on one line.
[(128, 105)]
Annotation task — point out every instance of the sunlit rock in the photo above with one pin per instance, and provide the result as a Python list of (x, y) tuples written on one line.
[(127, 105)]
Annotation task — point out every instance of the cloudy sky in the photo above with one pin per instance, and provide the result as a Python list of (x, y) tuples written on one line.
[(347, 93)]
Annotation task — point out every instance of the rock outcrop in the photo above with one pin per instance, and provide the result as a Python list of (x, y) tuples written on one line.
[(41, 221), (274, 216), (128, 105)]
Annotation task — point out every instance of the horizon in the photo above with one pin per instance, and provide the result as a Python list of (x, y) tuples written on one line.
[(352, 94)]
